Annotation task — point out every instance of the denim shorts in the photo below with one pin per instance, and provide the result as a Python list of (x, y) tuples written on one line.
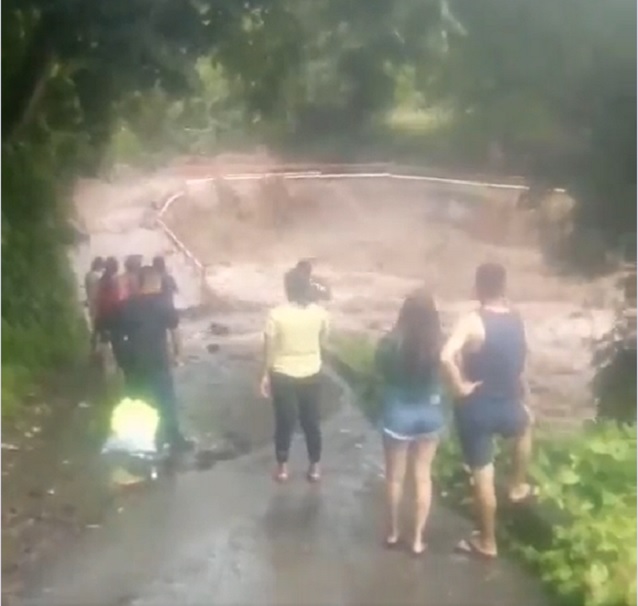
[(478, 420), (408, 419)]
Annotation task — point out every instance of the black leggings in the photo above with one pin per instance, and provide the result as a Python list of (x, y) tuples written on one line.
[(292, 396)]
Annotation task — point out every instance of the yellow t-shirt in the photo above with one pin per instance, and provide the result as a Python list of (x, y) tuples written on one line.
[(295, 335)]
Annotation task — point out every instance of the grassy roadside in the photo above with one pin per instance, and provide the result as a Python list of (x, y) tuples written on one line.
[(581, 536)]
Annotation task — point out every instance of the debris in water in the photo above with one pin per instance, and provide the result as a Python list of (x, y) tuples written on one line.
[(93, 526), (6, 446), (83, 405), (212, 348), (218, 329), (51, 492)]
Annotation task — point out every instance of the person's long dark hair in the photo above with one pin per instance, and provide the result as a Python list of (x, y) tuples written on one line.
[(418, 329)]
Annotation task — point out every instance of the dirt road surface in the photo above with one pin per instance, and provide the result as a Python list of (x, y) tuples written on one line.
[(231, 535)]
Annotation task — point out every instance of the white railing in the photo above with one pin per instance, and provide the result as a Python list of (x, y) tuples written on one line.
[(313, 175)]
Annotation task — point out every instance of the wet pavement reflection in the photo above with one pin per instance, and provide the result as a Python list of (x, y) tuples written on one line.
[(230, 535)]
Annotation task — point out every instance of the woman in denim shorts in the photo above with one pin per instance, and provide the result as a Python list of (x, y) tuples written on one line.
[(412, 417)]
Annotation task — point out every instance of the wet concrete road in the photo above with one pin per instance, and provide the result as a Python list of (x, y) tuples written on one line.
[(230, 535)]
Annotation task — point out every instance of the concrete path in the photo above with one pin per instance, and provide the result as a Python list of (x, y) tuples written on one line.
[(230, 535)]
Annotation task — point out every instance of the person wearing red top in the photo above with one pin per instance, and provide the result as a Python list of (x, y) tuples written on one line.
[(129, 280), (106, 308)]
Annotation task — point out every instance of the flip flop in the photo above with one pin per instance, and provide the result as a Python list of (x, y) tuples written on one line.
[(281, 476), (418, 554), (530, 495), (313, 477), (469, 548)]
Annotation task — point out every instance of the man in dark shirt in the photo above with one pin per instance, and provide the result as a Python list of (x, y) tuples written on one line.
[(147, 322), (169, 286), (319, 290)]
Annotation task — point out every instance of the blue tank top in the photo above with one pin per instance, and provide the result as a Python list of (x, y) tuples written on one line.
[(499, 362)]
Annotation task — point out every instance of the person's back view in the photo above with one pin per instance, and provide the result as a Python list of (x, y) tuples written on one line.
[(407, 361), (91, 287), (497, 365), (129, 280), (148, 324), (169, 286), (106, 306), (318, 289), (485, 359), (291, 376)]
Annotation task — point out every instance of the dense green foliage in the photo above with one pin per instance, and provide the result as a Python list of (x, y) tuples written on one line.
[(70, 70), (591, 477), (615, 361), (587, 481), (615, 380), (544, 88)]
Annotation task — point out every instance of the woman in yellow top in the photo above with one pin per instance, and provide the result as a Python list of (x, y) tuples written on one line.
[(293, 337)]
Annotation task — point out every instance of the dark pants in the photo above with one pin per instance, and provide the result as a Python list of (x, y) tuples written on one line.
[(106, 330), (292, 397), (118, 345), (156, 387)]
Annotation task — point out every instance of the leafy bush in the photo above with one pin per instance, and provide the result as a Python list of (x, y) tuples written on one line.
[(614, 383), (42, 327), (591, 477), (588, 477)]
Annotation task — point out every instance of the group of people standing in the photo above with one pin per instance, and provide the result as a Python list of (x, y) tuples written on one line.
[(480, 368), (134, 312)]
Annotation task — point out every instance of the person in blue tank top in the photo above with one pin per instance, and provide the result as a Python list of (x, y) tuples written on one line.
[(484, 359), (407, 360)]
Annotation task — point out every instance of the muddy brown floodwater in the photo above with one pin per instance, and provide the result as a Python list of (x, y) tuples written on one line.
[(229, 535), (374, 240)]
